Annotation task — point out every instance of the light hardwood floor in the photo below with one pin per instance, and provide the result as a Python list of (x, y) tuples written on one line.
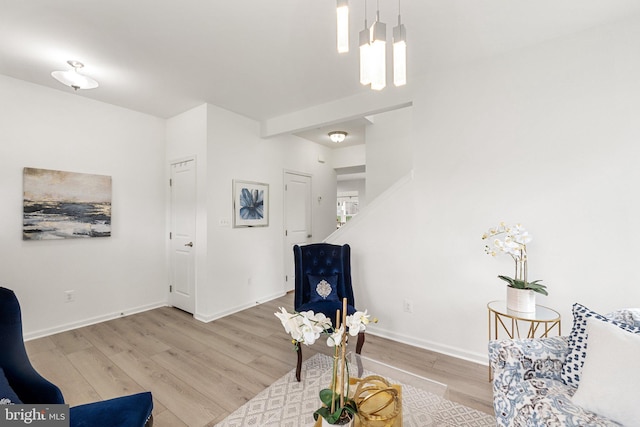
[(200, 372)]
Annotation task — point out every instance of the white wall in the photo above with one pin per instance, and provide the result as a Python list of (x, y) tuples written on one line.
[(50, 129), (243, 266), (355, 155), (389, 149), (546, 136), (187, 138)]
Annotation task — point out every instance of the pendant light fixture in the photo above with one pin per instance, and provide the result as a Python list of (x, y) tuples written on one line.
[(399, 53), (342, 13), (365, 53), (378, 60), (73, 78), (372, 44)]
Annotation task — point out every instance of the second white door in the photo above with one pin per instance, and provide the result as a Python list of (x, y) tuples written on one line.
[(297, 219)]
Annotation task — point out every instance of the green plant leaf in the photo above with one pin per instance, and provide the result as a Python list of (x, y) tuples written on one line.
[(326, 396), (535, 286), (538, 288), (507, 279)]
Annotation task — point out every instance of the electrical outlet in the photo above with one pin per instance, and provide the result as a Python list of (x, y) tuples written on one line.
[(224, 222), (69, 296), (407, 306)]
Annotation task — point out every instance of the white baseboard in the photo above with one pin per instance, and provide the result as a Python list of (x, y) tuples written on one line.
[(91, 321), (479, 358), (211, 317)]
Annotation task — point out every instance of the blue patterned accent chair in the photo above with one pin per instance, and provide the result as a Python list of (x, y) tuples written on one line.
[(21, 383), (322, 279), (534, 380)]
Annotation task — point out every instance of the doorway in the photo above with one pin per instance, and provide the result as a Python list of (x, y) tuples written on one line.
[(297, 219), (182, 235)]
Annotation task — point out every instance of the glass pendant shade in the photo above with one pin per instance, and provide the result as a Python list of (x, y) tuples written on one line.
[(73, 78), (399, 55), (342, 13), (377, 56), (365, 53), (372, 45)]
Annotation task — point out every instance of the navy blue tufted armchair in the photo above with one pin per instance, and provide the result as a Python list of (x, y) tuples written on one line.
[(323, 278), (21, 383)]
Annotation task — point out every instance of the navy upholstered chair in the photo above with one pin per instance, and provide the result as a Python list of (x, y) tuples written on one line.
[(21, 383), (314, 264)]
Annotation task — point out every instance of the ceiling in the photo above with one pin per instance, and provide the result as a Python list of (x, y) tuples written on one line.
[(260, 58), (355, 133)]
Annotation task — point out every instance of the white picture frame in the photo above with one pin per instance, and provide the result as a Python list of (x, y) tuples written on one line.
[(250, 204)]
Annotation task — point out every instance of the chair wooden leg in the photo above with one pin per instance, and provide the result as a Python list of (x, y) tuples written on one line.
[(299, 366), (360, 343)]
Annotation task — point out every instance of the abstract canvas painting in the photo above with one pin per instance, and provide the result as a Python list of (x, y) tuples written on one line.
[(65, 205), (250, 204)]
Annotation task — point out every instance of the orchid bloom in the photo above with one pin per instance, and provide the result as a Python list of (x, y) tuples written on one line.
[(335, 339), (323, 321), (310, 329), (290, 323), (306, 327), (357, 322), (513, 244)]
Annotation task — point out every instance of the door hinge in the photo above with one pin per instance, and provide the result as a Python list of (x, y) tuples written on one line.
[(170, 235), (286, 187), (286, 232), (286, 278), (170, 288), (170, 182)]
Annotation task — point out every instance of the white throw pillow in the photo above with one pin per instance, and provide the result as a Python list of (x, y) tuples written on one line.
[(572, 367), (610, 380)]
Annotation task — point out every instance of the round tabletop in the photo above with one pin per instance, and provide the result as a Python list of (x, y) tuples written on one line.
[(542, 313)]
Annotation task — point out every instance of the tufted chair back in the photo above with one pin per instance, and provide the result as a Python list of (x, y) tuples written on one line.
[(322, 259)]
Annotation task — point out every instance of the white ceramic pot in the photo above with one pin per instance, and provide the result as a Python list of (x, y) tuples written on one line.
[(522, 300)]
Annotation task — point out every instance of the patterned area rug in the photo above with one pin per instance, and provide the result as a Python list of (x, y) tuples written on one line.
[(288, 403)]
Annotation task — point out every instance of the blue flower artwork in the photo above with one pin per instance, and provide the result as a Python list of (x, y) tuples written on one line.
[(250, 204)]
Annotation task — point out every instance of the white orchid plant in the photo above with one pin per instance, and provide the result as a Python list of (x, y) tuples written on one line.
[(306, 328), (512, 240)]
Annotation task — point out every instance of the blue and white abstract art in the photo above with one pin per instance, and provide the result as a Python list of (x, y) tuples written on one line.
[(250, 204)]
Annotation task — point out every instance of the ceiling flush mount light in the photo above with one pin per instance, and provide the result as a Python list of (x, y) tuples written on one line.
[(73, 78), (342, 12), (337, 136)]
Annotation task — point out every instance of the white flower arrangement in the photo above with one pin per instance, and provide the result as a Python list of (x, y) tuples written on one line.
[(306, 327), (512, 240)]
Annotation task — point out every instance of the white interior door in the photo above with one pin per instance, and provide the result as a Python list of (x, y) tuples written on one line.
[(182, 235), (297, 219)]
